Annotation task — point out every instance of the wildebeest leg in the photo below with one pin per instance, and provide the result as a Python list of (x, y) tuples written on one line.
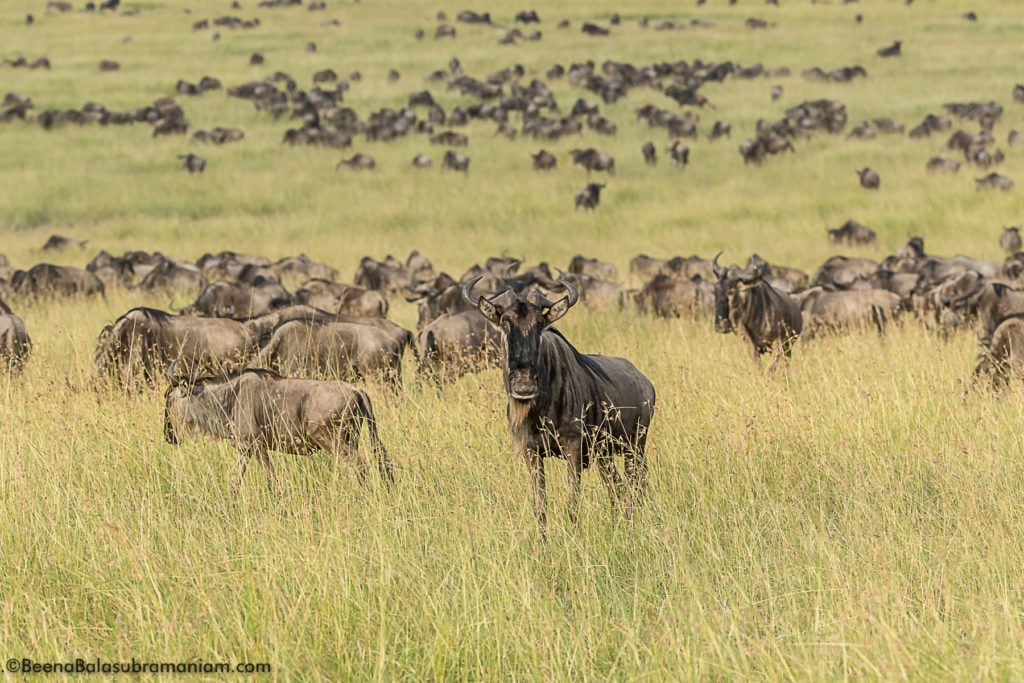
[(243, 463), (536, 466), (341, 441), (264, 456), (574, 460), (610, 477)]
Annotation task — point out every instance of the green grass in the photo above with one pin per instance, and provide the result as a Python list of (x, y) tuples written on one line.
[(856, 516)]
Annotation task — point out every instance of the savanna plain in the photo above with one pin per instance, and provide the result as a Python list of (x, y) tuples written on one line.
[(853, 515)]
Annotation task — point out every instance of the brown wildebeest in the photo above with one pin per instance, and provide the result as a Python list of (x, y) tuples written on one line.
[(833, 311), (193, 163), (671, 297), (421, 161), (679, 153), (1003, 356), (15, 344), (994, 181), (389, 275), (581, 265), (456, 161), (590, 196), (1010, 241), (238, 300), (342, 299), (60, 243), (650, 153), (852, 232), (260, 411), (456, 343), (721, 129), (148, 340), (942, 165), (47, 280), (593, 160), (869, 179), (358, 162), (172, 277), (745, 304), (544, 161), (562, 403)]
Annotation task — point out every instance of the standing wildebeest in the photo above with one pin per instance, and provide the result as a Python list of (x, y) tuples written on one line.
[(562, 403), (650, 153), (994, 181), (1010, 240), (581, 265), (358, 162), (544, 161), (679, 153), (852, 232), (593, 160), (942, 165), (342, 299), (745, 304), (1003, 356), (869, 179), (670, 297), (60, 243), (15, 344), (223, 299), (720, 129), (193, 163), (260, 411), (152, 339), (456, 343), (590, 196), (456, 161), (45, 279), (890, 50)]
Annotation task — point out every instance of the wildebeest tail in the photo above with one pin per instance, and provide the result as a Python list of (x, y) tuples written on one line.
[(383, 459)]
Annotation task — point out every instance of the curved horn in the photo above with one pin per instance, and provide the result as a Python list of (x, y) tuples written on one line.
[(717, 269), (467, 290), (574, 294), (171, 377)]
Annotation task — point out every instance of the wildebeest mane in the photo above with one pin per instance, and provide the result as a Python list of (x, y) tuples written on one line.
[(586, 362)]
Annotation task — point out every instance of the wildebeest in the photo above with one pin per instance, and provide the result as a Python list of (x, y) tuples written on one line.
[(389, 275), (869, 179), (833, 311), (581, 265), (890, 50), (46, 280), (421, 161), (15, 344), (193, 163), (590, 196), (942, 165), (337, 349), (172, 277), (260, 411), (672, 297), (343, 299), (1003, 356), (147, 340), (1010, 241), (456, 343), (562, 403), (650, 153), (60, 243), (593, 160), (222, 299), (456, 161), (766, 319), (994, 181), (720, 129), (679, 153), (544, 161), (852, 232), (358, 162)]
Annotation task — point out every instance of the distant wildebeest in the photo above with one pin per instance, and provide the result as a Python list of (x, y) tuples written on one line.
[(527, 17), (562, 403), (672, 297), (15, 344), (109, 65), (890, 50), (239, 300), (679, 153), (994, 181), (456, 161), (852, 232), (173, 277), (833, 311), (590, 196), (260, 411), (768, 320), (193, 163), (942, 165), (450, 138), (337, 349), (593, 29), (593, 160), (581, 265), (60, 243), (720, 129), (421, 161), (343, 299), (650, 153), (144, 341), (544, 161), (869, 179), (47, 280), (1010, 240), (1014, 137), (358, 162), (1003, 356), (389, 275), (776, 92)]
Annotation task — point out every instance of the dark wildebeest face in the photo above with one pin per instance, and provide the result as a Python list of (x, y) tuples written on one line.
[(522, 321), (731, 282)]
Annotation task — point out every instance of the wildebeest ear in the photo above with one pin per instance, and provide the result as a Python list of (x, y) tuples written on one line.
[(557, 310), (489, 310)]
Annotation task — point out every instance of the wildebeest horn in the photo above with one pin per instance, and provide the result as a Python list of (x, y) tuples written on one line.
[(717, 269), (467, 290), (574, 294)]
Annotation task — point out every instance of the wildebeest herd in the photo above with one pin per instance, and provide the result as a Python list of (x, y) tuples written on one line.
[(269, 365), (271, 368)]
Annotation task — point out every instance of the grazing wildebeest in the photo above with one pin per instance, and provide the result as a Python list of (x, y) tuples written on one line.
[(581, 265), (544, 161), (389, 275), (852, 232), (239, 300), (994, 181), (193, 163), (869, 179), (421, 161), (172, 277), (342, 299), (671, 297), (358, 162), (720, 129), (833, 311), (1010, 241), (745, 304), (590, 196), (15, 344), (890, 50), (650, 153), (456, 161), (593, 160), (151, 339), (456, 343), (337, 349), (562, 403), (679, 153), (60, 243), (45, 279), (260, 411), (1003, 356), (593, 29), (942, 165)]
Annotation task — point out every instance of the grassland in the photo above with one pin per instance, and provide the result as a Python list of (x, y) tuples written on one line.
[(857, 516)]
